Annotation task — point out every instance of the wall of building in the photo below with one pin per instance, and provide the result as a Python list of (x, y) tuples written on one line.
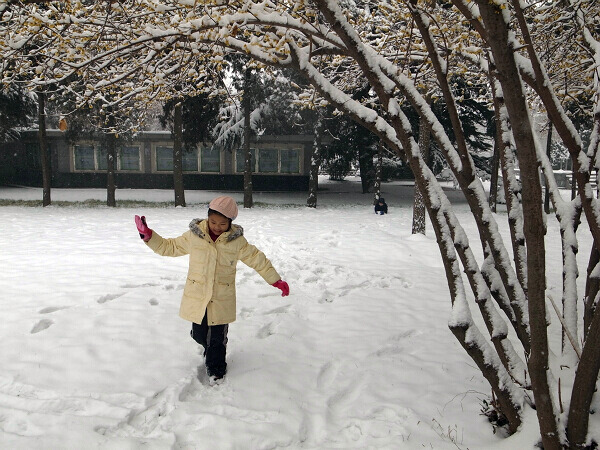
[(20, 164)]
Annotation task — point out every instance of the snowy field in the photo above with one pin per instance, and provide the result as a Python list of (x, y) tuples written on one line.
[(359, 356)]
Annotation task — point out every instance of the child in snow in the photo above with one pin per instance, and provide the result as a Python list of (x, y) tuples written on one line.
[(381, 206), (215, 245)]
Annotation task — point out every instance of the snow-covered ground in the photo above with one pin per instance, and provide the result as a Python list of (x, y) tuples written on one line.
[(94, 355)]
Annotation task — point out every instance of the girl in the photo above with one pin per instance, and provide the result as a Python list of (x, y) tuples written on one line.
[(215, 245)]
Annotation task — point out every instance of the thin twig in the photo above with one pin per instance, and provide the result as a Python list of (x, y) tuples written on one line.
[(565, 328)]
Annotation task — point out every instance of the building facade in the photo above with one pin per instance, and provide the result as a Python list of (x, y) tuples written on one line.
[(280, 163)]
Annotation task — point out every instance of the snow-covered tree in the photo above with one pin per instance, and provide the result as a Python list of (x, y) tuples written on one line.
[(398, 48)]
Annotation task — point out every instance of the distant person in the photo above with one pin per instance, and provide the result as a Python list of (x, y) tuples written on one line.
[(215, 245), (381, 206)]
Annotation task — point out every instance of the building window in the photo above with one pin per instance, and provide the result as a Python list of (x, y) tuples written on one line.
[(190, 160), (164, 158), (240, 162), (290, 161), (84, 157), (101, 159), (129, 158), (33, 155), (268, 160), (210, 159), (94, 158)]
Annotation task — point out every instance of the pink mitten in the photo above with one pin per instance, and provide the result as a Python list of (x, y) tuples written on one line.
[(285, 289), (145, 232)]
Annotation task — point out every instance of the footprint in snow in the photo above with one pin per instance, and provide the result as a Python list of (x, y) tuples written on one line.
[(311, 279), (266, 331), (351, 287), (155, 416), (396, 344), (395, 279), (327, 374), (246, 312), (109, 297), (131, 286), (51, 309), (326, 297), (13, 425), (270, 294), (41, 326), (345, 397), (279, 310)]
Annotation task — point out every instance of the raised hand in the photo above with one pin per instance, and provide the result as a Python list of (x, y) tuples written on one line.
[(145, 232)]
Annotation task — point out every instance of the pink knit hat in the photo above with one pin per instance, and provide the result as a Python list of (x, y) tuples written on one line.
[(225, 205)]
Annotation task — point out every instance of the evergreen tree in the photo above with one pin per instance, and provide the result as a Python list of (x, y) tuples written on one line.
[(200, 115), (17, 110)]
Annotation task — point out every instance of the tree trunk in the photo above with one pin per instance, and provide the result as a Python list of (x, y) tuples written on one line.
[(365, 163), (378, 172), (592, 288), (512, 191), (548, 150), (315, 163), (584, 387), (178, 156), (573, 179), (569, 290), (419, 222), (248, 202), (533, 224), (44, 151), (464, 171), (493, 199), (111, 157)]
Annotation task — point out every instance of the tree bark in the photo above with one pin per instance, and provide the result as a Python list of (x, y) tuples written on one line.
[(111, 156), (467, 180), (584, 387), (248, 202), (178, 155), (547, 190), (592, 288), (315, 163), (378, 171), (581, 163), (512, 190), (419, 218), (533, 226), (493, 199), (44, 151), (569, 288), (365, 163)]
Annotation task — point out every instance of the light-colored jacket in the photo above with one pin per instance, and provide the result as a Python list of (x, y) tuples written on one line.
[(210, 284)]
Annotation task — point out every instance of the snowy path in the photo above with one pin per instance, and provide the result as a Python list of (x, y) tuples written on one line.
[(358, 356)]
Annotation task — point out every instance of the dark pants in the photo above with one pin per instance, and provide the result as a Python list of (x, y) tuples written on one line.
[(214, 340)]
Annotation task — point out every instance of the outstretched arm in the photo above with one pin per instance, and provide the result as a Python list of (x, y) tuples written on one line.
[(253, 257), (164, 247)]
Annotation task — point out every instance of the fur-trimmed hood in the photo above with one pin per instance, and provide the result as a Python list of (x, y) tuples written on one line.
[(200, 229)]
